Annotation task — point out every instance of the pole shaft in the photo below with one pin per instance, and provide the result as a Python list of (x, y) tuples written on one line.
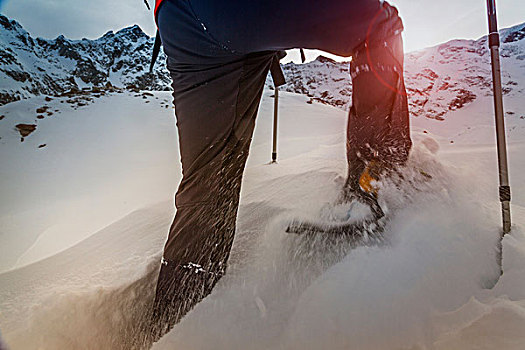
[(499, 116), (501, 140), (275, 115), (500, 122)]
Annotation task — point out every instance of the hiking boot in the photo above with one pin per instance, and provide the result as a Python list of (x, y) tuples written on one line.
[(363, 187)]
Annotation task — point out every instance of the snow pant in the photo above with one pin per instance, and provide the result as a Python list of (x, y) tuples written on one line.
[(219, 54)]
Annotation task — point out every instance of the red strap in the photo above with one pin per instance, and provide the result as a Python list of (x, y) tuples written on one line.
[(157, 4)]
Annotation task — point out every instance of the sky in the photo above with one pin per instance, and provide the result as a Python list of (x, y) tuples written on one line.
[(427, 22)]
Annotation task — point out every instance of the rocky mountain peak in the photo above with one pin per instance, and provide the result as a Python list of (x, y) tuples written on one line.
[(133, 32), (324, 59), (514, 34), (10, 25), (52, 67)]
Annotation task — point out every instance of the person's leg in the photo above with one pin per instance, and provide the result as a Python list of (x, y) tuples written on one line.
[(216, 96), (367, 30), (378, 122), (217, 86), (215, 122)]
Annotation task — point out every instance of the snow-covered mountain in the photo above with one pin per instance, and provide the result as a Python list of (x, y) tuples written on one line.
[(31, 67), (439, 79)]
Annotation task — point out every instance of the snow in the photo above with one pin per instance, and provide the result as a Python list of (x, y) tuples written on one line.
[(35, 66), (87, 215), (114, 155)]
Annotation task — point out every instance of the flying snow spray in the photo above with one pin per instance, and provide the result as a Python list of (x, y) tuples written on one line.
[(504, 186)]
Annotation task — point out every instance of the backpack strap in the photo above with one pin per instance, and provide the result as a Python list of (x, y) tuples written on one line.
[(156, 50)]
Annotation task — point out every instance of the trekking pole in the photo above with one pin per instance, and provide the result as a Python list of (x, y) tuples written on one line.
[(278, 80), (504, 188), (275, 112)]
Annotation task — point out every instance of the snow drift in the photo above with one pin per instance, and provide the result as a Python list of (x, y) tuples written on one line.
[(430, 285)]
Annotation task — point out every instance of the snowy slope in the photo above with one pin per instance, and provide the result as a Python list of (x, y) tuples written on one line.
[(425, 289), (62, 174)]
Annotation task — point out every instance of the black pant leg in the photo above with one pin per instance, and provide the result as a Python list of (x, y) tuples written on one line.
[(217, 92), (216, 109), (378, 122)]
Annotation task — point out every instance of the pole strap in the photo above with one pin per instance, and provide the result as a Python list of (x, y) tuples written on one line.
[(504, 193), (276, 70), (303, 57)]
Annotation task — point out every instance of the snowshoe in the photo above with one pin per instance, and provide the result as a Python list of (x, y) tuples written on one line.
[(356, 215), (358, 218)]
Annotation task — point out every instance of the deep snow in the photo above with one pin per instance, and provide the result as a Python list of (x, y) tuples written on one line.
[(95, 203)]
